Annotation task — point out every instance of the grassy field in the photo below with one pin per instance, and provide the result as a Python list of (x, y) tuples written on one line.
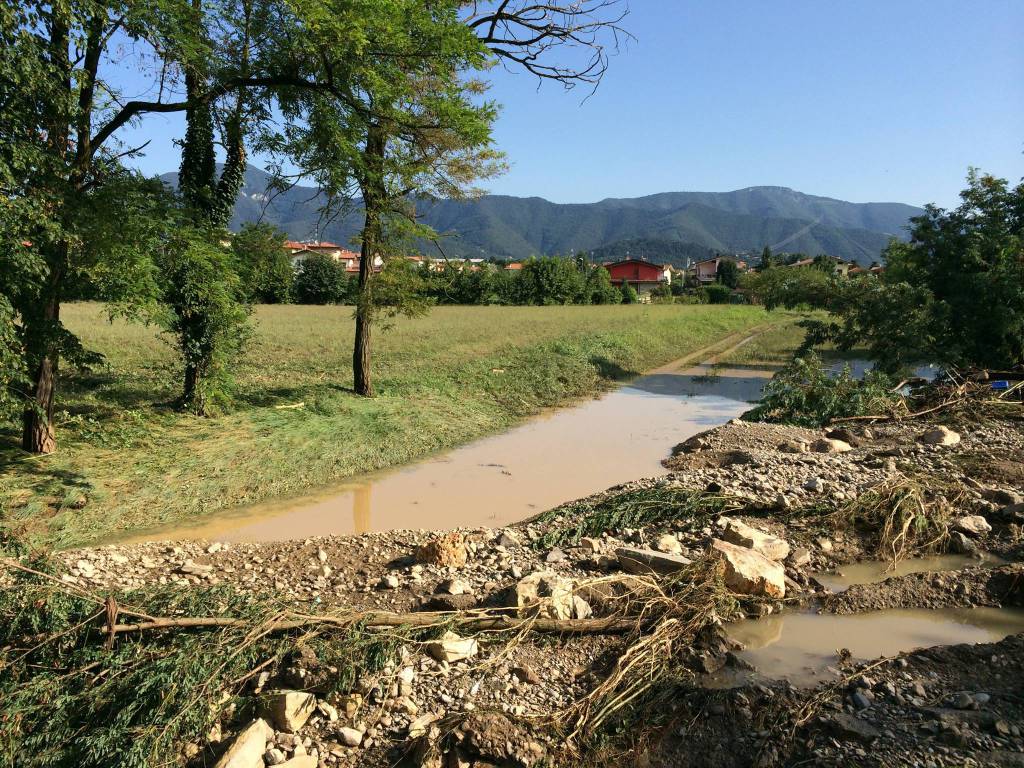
[(127, 461)]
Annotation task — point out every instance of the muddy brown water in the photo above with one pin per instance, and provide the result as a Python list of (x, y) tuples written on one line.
[(801, 647), (557, 457), (873, 571)]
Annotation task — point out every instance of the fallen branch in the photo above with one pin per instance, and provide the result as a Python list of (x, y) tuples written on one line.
[(469, 621)]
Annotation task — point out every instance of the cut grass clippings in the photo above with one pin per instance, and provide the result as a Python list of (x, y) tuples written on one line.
[(127, 462)]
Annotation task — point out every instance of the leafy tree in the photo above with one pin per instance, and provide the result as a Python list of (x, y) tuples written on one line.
[(728, 273), (549, 280), (320, 280), (953, 295), (767, 259), (718, 293), (203, 314), (263, 264), (791, 287), (599, 289), (629, 294)]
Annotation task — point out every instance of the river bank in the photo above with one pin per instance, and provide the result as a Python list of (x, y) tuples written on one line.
[(789, 503), (129, 462)]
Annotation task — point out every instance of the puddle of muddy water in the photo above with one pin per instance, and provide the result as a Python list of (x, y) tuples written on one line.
[(800, 647), (873, 571), (557, 457)]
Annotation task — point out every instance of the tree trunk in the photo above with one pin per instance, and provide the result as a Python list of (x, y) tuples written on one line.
[(38, 435), (373, 199), (192, 397)]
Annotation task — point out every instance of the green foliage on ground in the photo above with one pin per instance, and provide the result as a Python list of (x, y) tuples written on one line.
[(69, 701), (631, 509), (129, 462), (808, 394)]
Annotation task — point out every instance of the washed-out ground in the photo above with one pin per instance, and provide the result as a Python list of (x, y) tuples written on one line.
[(533, 694)]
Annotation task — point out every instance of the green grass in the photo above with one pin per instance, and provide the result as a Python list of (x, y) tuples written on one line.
[(127, 461)]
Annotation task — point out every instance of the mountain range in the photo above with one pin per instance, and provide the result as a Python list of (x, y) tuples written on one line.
[(679, 225)]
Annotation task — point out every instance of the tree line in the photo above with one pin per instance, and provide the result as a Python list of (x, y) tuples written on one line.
[(382, 100)]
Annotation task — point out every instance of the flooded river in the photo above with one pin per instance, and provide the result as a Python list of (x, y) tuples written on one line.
[(562, 455)]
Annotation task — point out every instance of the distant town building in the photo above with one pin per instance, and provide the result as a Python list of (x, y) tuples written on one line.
[(642, 276)]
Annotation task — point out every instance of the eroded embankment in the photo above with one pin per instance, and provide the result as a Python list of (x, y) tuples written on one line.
[(589, 634)]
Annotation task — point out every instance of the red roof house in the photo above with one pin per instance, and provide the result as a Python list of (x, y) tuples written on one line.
[(643, 276)]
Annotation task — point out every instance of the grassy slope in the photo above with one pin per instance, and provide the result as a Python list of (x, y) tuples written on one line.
[(127, 461)]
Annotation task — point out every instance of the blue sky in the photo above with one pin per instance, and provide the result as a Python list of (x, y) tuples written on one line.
[(863, 101)]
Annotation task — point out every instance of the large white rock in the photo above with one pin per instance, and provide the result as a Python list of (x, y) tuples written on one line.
[(646, 561), (975, 525), (247, 750), (545, 593), (289, 710), (300, 761), (830, 445), (351, 737), (742, 535), (940, 436), (668, 544), (748, 572), (452, 647)]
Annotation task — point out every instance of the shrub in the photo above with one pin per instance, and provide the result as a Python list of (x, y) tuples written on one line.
[(718, 293), (803, 393), (321, 280), (629, 295)]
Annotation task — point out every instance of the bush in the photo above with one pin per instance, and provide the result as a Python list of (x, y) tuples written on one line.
[(803, 393), (263, 264), (321, 280), (629, 294), (718, 293)]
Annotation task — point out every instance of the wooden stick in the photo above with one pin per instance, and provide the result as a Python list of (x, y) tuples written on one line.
[(483, 621)]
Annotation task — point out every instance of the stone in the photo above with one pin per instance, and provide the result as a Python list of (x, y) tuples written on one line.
[(829, 445), (824, 544), (289, 710), (448, 550), (846, 436), (351, 737), (792, 446), (669, 544), (939, 436), (273, 756), (961, 545), (454, 587), (799, 557), (555, 556), (590, 544), (525, 674), (815, 485), (301, 761), (741, 534), (195, 569), (508, 539), (860, 700), (452, 647), (450, 602), (748, 572), (645, 561), (581, 608), (247, 749), (390, 581), (546, 594), (328, 711), (972, 525)]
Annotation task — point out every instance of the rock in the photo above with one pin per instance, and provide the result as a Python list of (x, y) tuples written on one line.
[(328, 711), (644, 561), (847, 726), (748, 572), (828, 445), (301, 761), (545, 593), (289, 710), (454, 587), (961, 545), (508, 539), (792, 446), (195, 569), (799, 557), (390, 581), (860, 700), (555, 556), (846, 436), (962, 700), (247, 749), (450, 602), (590, 544), (815, 485), (939, 436), (452, 647), (448, 550), (273, 756), (1011, 513), (824, 544), (351, 737), (669, 544), (972, 525), (741, 534), (525, 674), (581, 608)]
